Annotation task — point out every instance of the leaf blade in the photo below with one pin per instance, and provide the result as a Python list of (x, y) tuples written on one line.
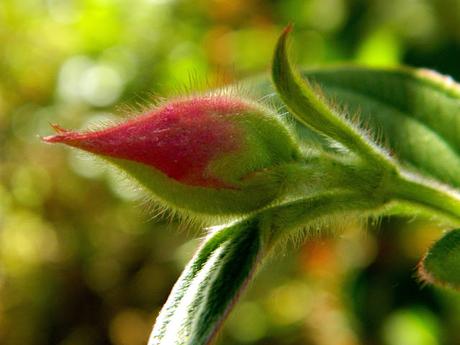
[(441, 264)]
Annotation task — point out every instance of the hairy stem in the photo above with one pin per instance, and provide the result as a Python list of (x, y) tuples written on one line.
[(279, 222), (434, 198)]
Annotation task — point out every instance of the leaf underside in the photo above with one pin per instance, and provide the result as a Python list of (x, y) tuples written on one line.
[(209, 286)]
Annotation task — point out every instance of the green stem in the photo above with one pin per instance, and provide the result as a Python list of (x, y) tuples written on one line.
[(434, 198), (278, 222)]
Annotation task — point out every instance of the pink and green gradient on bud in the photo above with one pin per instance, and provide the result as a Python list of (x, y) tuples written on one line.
[(208, 154)]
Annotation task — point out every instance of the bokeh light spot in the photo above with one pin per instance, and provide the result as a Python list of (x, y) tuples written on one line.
[(101, 85), (411, 327)]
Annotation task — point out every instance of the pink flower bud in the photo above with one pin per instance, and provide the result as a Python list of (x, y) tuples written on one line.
[(207, 154)]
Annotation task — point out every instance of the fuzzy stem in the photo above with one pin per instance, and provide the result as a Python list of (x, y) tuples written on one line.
[(433, 198), (279, 222)]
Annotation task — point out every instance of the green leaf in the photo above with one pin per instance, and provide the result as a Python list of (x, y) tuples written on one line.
[(441, 264), (209, 286), (414, 113)]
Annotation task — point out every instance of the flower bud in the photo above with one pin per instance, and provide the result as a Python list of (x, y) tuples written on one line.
[(210, 154)]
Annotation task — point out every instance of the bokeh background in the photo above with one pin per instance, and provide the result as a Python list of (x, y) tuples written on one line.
[(83, 261)]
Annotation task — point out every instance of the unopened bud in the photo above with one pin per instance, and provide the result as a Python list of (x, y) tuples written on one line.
[(208, 154)]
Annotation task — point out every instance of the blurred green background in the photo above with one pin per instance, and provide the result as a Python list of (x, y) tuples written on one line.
[(82, 259)]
